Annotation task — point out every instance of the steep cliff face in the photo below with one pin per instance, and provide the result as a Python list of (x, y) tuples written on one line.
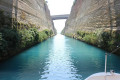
[(23, 23), (33, 12), (90, 20)]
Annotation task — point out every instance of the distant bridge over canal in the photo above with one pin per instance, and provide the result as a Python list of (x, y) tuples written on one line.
[(57, 17)]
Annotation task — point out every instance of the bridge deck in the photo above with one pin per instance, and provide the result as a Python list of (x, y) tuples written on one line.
[(55, 17)]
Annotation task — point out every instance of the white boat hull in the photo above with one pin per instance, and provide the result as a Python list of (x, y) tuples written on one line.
[(104, 76)]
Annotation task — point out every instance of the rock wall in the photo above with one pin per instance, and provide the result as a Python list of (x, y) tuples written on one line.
[(96, 22), (33, 12), (93, 14), (23, 24)]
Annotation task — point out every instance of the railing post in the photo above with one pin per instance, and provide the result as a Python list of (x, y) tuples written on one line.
[(105, 62)]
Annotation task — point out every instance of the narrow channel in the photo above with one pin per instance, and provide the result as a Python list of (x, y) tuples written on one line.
[(58, 58)]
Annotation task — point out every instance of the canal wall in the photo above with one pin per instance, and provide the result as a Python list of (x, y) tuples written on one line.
[(23, 23), (96, 22), (34, 12)]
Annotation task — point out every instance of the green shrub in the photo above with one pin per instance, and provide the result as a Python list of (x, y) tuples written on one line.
[(12, 39), (25, 38), (80, 33), (87, 37), (42, 36), (18, 36), (103, 39), (3, 45), (11, 36)]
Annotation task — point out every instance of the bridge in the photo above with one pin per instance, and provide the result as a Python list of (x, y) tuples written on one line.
[(56, 17)]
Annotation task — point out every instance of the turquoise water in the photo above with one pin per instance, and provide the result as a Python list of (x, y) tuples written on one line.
[(58, 58)]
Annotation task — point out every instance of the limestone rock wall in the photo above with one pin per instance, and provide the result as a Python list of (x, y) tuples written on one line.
[(28, 12), (89, 15), (96, 22)]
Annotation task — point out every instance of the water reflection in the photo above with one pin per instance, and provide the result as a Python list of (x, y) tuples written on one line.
[(59, 65), (58, 58)]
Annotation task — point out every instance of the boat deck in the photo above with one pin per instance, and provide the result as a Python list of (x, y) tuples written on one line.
[(104, 76)]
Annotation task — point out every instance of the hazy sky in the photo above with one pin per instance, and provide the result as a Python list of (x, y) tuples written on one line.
[(59, 7)]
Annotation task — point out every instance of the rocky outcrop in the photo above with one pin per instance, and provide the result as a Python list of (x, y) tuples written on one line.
[(33, 12), (95, 18)]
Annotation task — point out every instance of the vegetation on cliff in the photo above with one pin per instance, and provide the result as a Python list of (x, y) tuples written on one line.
[(16, 36), (103, 39), (92, 22), (12, 40)]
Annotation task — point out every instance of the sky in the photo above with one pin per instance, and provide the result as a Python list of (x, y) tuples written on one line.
[(58, 7), (59, 25)]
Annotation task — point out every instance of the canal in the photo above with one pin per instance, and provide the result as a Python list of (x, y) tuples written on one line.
[(58, 58)]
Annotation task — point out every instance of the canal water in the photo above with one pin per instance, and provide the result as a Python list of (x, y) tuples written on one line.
[(58, 58)]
